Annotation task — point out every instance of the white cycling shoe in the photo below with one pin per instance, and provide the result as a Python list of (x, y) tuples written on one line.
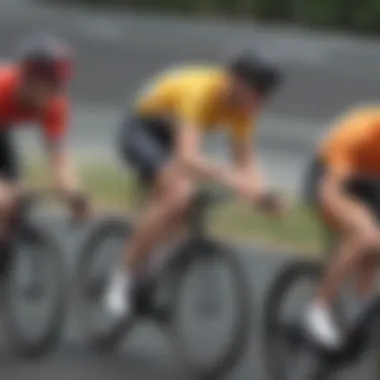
[(118, 296), (321, 327)]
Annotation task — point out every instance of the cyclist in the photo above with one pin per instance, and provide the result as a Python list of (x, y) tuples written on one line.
[(344, 187), (32, 89), (162, 139)]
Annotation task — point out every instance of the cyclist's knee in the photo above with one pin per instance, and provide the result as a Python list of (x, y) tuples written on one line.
[(368, 242), (8, 199), (180, 199)]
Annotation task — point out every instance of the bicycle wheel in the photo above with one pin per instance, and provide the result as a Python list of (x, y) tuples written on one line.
[(286, 354), (213, 263), (93, 271), (37, 278)]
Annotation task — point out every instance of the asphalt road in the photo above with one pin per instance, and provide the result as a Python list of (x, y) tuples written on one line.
[(116, 53), (147, 352)]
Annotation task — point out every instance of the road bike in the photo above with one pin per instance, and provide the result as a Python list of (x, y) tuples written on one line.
[(287, 346), (160, 295), (36, 276)]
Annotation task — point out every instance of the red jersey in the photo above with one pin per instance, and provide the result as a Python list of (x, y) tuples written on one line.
[(53, 119)]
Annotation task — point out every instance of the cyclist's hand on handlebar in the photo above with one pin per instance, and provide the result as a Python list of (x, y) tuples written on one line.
[(266, 201), (244, 187), (80, 207)]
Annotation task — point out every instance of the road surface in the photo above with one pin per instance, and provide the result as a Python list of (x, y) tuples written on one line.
[(147, 353), (116, 53)]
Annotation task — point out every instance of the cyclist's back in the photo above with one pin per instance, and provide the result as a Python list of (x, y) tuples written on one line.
[(193, 95), (170, 90), (354, 142), (184, 96)]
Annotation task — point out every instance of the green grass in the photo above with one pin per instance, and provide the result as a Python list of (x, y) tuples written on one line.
[(116, 189)]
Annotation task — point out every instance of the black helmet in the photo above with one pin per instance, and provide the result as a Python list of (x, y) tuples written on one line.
[(47, 57), (261, 76)]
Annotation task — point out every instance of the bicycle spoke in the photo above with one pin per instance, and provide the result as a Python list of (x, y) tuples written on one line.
[(288, 354), (35, 289), (220, 306), (98, 259), (208, 301)]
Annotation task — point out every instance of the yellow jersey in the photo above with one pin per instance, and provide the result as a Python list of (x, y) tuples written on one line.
[(194, 96)]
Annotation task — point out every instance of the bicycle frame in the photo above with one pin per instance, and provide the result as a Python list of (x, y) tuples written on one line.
[(357, 337), (146, 286), (196, 221), (358, 334), (198, 235)]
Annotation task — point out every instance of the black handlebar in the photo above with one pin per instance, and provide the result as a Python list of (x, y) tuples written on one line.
[(203, 200), (207, 198), (31, 198)]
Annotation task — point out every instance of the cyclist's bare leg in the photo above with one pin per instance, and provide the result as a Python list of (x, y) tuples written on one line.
[(320, 320), (171, 198), (8, 200), (357, 242), (365, 280), (168, 207), (343, 264), (358, 238)]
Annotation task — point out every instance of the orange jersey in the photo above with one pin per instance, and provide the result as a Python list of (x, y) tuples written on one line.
[(353, 145), (53, 119)]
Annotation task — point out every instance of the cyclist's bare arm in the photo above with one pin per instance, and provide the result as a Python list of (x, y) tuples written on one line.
[(54, 128), (246, 162), (64, 175), (189, 154)]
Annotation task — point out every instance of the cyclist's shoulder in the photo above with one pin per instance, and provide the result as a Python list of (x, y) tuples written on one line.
[(361, 113), (354, 124), (192, 73), (9, 74)]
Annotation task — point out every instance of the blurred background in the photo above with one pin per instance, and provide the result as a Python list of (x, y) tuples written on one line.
[(331, 58)]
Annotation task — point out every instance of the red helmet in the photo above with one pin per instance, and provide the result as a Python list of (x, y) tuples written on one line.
[(47, 58)]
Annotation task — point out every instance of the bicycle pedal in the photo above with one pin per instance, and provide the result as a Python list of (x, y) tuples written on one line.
[(294, 334), (351, 350), (142, 301)]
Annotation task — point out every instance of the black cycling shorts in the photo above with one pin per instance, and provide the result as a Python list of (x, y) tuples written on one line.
[(9, 168), (146, 144), (364, 189)]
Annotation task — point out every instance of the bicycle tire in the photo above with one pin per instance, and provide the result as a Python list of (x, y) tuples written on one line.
[(54, 327), (272, 310), (242, 324), (105, 341)]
